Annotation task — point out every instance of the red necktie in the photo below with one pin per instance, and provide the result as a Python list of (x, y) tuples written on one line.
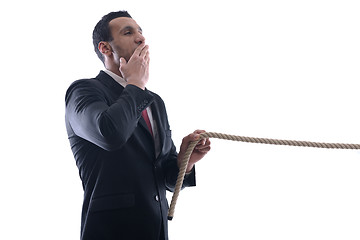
[(147, 120)]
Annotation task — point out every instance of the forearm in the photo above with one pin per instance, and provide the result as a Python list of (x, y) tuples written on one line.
[(119, 120), (108, 126)]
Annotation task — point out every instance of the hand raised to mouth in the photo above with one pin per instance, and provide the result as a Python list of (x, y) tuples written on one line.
[(136, 70)]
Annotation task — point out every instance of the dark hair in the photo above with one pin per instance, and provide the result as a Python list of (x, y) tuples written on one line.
[(102, 31)]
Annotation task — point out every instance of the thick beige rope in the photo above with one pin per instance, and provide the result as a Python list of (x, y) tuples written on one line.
[(192, 145)]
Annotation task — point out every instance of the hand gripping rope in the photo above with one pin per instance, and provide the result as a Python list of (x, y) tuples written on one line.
[(192, 145)]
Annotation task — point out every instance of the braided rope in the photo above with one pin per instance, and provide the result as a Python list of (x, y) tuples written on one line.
[(192, 145)]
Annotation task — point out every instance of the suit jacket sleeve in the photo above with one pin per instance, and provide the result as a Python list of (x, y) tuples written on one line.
[(92, 117), (170, 166), (172, 170)]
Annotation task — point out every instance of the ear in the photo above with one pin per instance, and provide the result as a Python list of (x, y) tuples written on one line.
[(105, 48)]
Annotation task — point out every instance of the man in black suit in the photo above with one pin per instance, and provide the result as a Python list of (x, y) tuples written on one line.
[(121, 140)]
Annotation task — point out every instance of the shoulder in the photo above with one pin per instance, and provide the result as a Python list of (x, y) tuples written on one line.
[(89, 83), (85, 83), (82, 85), (85, 91)]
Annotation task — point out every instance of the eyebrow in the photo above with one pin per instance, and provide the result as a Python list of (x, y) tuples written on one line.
[(130, 28)]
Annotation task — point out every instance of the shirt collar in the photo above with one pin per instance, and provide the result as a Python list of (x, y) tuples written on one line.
[(116, 77)]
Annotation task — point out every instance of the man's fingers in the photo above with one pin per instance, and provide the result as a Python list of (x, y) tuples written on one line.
[(189, 138), (199, 131), (203, 144), (139, 49), (203, 150), (147, 57), (144, 51), (203, 141)]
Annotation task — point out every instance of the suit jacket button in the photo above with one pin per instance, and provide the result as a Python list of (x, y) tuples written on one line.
[(157, 198)]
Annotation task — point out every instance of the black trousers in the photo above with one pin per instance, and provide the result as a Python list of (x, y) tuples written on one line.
[(162, 237)]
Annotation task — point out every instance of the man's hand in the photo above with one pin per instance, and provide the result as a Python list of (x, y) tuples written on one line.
[(200, 150), (136, 71)]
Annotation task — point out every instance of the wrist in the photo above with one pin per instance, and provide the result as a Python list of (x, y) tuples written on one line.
[(137, 85)]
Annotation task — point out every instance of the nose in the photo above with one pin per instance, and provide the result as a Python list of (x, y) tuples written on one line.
[(140, 39)]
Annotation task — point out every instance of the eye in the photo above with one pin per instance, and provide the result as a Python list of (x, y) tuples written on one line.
[(127, 33)]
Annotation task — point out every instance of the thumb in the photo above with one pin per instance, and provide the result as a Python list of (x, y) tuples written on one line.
[(186, 141), (122, 64), (122, 61)]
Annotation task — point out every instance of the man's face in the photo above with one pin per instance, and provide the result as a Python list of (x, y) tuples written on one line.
[(127, 36)]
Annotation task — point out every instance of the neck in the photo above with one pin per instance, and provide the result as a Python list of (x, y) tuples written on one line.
[(114, 69)]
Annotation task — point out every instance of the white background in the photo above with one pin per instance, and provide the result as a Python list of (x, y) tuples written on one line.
[(276, 69)]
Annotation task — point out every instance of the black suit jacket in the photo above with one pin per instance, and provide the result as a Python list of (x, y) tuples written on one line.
[(124, 180)]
